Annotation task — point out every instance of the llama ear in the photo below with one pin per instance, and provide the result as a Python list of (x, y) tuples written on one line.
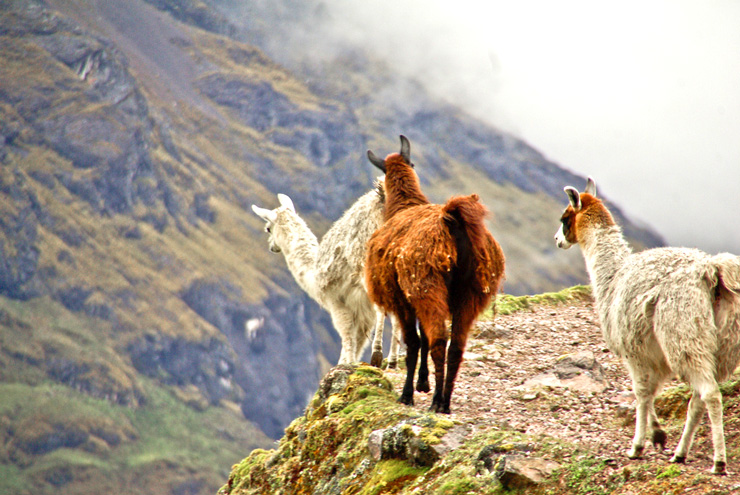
[(591, 187), (267, 215), (376, 161), (405, 149), (286, 202), (574, 197)]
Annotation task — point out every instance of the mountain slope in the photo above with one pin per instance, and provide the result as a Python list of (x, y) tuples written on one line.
[(132, 143)]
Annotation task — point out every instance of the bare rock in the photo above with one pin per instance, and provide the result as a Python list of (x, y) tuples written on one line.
[(517, 472), (512, 466), (415, 441), (578, 371)]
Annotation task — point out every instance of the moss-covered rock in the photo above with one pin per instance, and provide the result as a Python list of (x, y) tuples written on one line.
[(352, 432)]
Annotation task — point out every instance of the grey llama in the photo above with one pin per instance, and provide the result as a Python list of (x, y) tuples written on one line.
[(665, 312), (331, 272)]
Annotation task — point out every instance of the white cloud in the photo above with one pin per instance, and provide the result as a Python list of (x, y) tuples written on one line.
[(643, 95)]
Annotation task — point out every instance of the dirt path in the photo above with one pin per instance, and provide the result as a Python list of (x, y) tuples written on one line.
[(517, 347)]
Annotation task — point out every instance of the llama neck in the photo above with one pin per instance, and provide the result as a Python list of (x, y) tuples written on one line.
[(402, 191), (300, 247), (605, 251)]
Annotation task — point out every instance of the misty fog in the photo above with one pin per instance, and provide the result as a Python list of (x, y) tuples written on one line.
[(642, 95)]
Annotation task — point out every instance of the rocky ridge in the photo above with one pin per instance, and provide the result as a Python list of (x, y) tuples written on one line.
[(540, 406)]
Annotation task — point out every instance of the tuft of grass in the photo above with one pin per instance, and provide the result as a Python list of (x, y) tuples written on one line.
[(668, 472), (390, 476), (579, 476), (458, 487), (506, 304)]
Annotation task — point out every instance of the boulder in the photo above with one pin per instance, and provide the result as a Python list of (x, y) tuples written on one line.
[(512, 465), (416, 441), (520, 472)]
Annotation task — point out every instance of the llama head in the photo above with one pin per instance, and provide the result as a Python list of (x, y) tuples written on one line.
[(403, 157), (584, 211), (402, 188), (273, 226)]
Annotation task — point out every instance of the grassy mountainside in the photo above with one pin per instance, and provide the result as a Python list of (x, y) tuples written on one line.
[(76, 417), (133, 140)]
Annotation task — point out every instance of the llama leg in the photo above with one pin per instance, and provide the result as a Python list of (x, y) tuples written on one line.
[(644, 394), (412, 343), (422, 384), (377, 357), (705, 395), (713, 400), (346, 355), (638, 442), (693, 416), (342, 319), (395, 336), (364, 324), (438, 350), (659, 436), (458, 341), (645, 383)]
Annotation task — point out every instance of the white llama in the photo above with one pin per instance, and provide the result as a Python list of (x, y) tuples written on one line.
[(665, 312), (332, 272)]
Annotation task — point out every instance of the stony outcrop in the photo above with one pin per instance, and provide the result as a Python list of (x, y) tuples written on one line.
[(354, 436)]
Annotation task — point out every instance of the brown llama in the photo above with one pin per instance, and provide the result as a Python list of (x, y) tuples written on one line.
[(430, 262)]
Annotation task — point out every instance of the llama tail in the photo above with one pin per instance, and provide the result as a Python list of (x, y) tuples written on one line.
[(726, 307), (465, 217), (728, 270)]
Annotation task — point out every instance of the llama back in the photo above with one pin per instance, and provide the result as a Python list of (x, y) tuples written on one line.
[(342, 249), (427, 249), (659, 291), (427, 228)]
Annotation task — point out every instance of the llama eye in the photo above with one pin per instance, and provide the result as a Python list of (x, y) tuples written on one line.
[(267, 229)]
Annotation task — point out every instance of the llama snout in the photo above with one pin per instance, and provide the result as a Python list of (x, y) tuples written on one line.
[(560, 239)]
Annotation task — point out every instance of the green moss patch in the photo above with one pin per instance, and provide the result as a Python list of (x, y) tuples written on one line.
[(506, 304)]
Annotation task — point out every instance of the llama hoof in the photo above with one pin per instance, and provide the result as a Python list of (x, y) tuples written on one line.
[(720, 468), (439, 408), (423, 386), (392, 365), (635, 452), (376, 359), (678, 459), (659, 438), (409, 401)]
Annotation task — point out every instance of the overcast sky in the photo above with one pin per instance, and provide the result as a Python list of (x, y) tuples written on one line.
[(642, 95)]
